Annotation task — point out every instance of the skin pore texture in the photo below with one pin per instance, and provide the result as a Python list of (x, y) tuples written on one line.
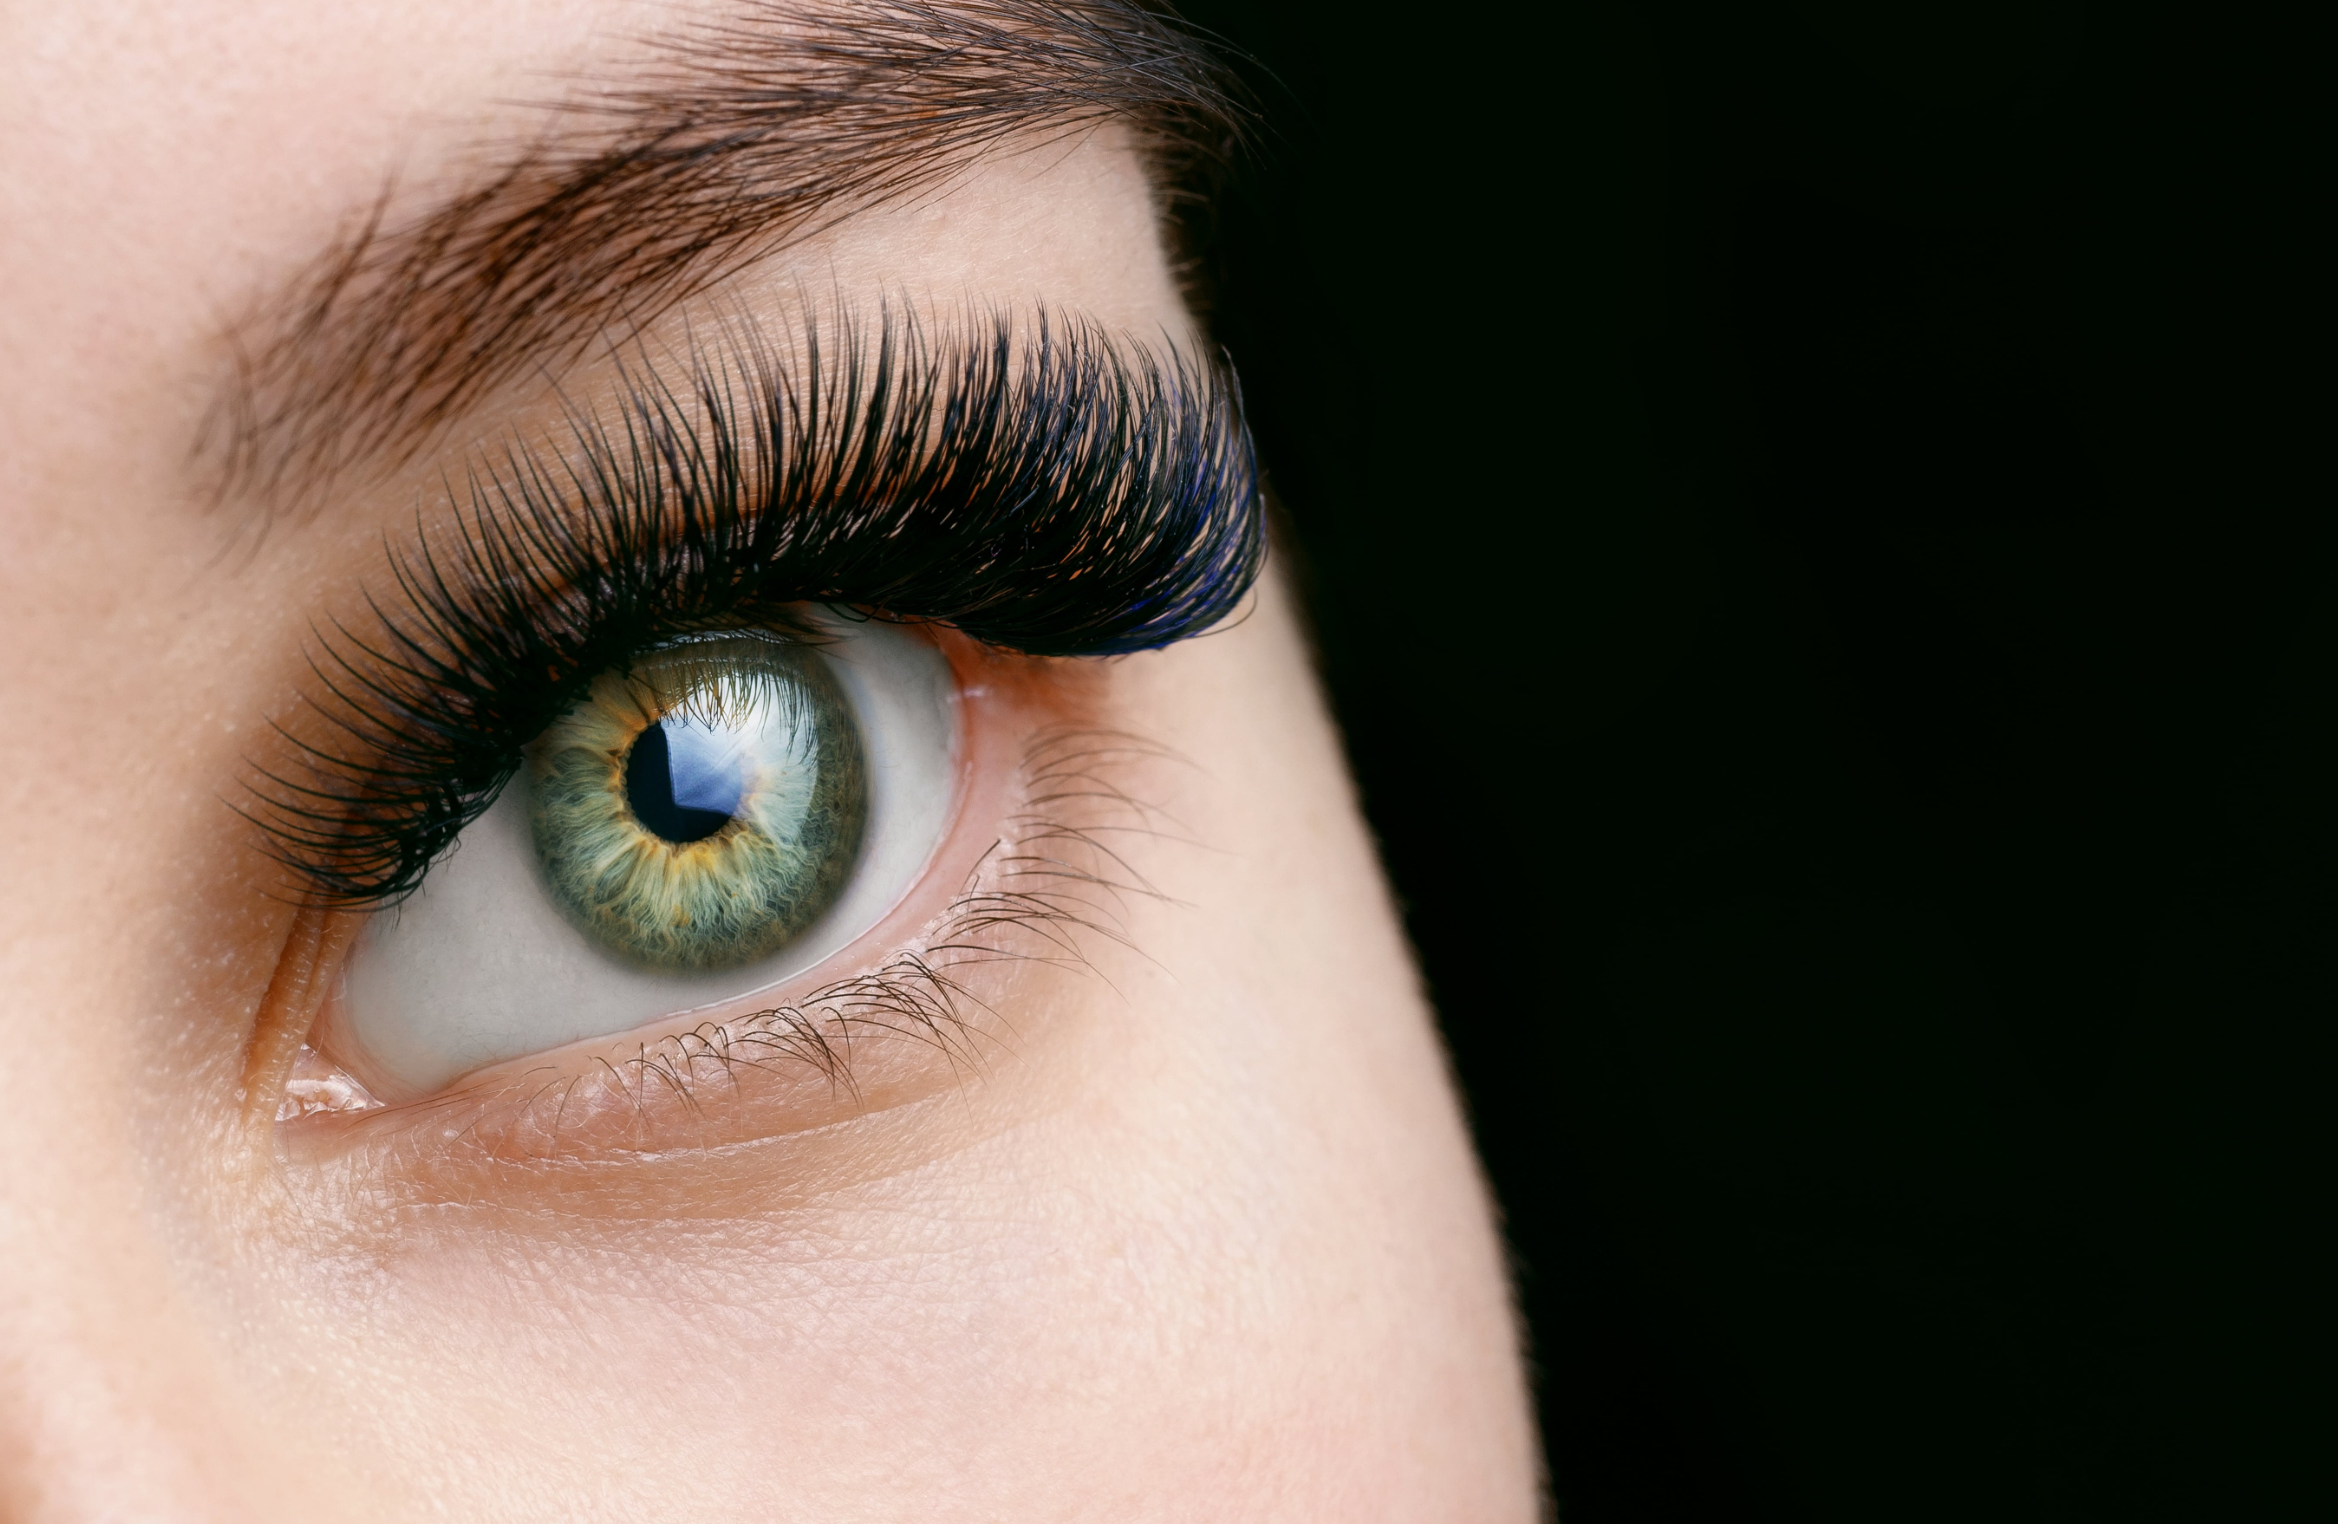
[(1184, 1227)]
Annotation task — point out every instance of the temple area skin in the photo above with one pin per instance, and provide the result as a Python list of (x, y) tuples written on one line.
[(1159, 1207)]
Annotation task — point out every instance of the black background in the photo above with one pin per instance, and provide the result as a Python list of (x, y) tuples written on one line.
[(1817, 518)]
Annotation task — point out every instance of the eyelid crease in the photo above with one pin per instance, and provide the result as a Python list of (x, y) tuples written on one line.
[(1052, 878), (735, 137), (1044, 487)]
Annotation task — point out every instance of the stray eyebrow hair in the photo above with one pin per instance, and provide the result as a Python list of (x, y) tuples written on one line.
[(736, 138)]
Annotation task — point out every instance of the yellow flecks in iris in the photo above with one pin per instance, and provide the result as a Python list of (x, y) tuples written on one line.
[(756, 884)]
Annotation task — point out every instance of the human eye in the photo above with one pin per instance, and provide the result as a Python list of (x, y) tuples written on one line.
[(719, 815), (703, 732)]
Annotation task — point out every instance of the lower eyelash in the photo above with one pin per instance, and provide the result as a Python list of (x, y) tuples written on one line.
[(1054, 878), (1040, 888)]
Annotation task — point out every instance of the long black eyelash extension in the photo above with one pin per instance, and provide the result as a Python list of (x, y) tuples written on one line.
[(1050, 491)]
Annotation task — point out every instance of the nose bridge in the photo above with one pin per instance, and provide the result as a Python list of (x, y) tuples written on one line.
[(110, 1408)]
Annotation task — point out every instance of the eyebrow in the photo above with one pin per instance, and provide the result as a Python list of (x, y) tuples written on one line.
[(737, 137)]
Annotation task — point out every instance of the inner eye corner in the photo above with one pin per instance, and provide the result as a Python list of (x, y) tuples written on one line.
[(286, 1077)]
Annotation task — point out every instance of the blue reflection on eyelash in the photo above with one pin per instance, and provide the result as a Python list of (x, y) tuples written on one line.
[(1050, 490)]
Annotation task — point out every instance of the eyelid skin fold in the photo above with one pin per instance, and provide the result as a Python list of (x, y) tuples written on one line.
[(741, 136), (1043, 487)]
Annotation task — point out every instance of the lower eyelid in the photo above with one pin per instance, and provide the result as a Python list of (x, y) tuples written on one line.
[(919, 1025), (902, 1026), (561, 917)]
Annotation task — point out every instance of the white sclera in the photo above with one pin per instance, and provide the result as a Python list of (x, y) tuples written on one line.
[(479, 965)]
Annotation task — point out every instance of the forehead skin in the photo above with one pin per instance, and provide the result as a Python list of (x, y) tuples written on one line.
[(1210, 1246)]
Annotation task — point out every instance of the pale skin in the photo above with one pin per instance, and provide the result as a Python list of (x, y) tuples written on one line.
[(1198, 1237)]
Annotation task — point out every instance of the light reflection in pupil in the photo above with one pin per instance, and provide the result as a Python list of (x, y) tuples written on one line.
[(683, 779)]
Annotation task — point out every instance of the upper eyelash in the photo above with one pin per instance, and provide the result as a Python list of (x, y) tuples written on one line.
[(1064, 496)]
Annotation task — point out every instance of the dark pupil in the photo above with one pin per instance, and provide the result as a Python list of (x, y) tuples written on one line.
[(708, 794)]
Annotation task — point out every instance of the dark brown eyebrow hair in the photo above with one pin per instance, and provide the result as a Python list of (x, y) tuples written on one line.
[(736, 137)]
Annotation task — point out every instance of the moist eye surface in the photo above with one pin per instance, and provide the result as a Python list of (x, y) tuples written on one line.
[(701, 809), (719, 815)]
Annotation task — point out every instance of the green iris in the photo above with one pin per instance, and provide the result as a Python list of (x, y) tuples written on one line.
[(701, 808)]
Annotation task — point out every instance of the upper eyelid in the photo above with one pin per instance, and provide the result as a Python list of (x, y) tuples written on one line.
[(1068, 494)]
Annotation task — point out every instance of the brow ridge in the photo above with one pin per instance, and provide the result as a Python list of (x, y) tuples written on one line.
[(736, 138)]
